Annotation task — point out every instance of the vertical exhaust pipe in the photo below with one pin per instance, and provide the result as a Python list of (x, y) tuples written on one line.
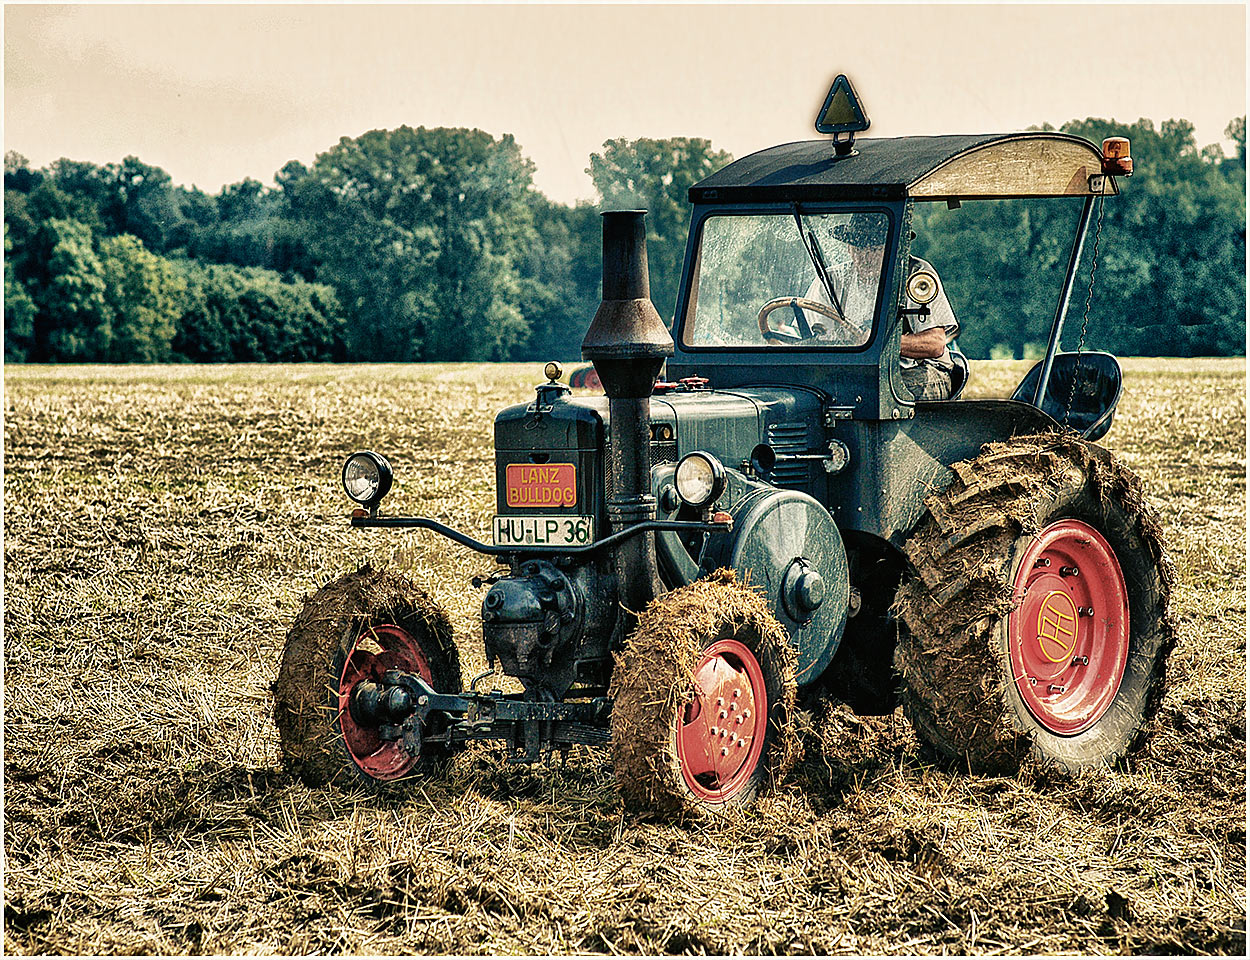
[(628, 342)]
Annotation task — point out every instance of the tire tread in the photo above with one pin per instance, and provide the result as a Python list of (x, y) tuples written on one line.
[(961, 553)]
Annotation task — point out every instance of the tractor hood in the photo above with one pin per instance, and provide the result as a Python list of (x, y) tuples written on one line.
[(729, 424)]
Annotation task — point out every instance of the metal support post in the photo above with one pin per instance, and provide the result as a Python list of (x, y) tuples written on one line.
[(1056, 329)]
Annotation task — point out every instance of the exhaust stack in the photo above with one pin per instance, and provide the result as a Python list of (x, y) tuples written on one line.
[(628, 342)]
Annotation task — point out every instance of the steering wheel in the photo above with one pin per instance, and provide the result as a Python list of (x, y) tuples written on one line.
[(806, 330)]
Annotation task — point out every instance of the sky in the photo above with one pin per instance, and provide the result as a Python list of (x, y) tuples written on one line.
[(215, 93)]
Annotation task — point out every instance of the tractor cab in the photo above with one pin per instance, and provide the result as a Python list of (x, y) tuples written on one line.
[(799, 264)]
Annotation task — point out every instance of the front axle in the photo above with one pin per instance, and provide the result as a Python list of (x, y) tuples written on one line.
[(403, 707)]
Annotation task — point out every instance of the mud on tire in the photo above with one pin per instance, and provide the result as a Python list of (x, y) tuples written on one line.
[(966, 697), (340, 618), (714, 634)]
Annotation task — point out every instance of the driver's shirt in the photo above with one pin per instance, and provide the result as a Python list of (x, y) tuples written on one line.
[(859, 299)]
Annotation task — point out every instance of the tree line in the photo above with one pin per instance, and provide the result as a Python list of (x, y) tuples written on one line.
[(433, 244)]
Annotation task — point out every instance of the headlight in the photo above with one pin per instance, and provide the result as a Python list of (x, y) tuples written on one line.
[(922, 287), (367, 477), (700, 479)]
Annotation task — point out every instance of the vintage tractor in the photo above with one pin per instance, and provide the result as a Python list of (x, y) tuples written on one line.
[(775, 516)]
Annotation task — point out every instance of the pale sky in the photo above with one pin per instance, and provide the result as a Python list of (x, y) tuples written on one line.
[(216, 93)]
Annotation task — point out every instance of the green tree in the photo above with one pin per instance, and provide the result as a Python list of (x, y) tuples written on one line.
[(560, 272), (1171, 280), (656, 175), (19, 310), (419, 231), (17, 173), (85, 191), (72, 322), (143, 202), (144, 293), (232, 314), (204, 328)]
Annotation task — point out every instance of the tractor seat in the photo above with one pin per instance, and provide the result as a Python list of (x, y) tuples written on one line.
[(1098, 386)]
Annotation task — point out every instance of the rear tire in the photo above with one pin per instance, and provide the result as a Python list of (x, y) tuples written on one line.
[(1041, 554), (703, 701), (349, 630)]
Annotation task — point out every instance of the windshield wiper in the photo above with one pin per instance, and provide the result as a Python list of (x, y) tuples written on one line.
[(808, 238)]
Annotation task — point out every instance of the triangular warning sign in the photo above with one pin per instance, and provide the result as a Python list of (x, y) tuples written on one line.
[(841, 112)]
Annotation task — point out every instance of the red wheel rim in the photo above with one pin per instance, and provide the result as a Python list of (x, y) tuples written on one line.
[(378, 649), (720, 733), (1068, 635)]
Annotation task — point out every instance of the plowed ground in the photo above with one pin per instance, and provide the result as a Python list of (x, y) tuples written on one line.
[(161, 529)]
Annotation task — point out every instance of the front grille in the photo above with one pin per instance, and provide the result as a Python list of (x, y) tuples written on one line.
[(789, 438), (662, 451)]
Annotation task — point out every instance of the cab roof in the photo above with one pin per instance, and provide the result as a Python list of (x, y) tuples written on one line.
[(951, 167)]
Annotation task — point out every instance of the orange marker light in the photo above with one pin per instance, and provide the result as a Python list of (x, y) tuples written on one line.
[(1116, 159)]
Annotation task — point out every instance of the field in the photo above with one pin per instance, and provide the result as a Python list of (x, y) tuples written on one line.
[(162, 526)]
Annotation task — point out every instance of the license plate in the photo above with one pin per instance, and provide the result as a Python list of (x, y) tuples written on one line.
[(544, 531), (550, 485)]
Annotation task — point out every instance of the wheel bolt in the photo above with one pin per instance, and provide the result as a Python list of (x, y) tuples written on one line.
[(746, 713), (1069, 572), (724, 714), (739, 720), (716, 731), (1080, 661), (724, 751), (1055, 688), (1042, 562), (724, 734), (1032, 681), (1085, 611), (720, 701), (737, 693)]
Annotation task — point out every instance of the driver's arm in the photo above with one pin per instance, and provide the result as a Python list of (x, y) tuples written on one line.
[(925, 345)]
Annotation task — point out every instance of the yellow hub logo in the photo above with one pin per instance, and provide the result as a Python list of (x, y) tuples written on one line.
[(1056, 627)]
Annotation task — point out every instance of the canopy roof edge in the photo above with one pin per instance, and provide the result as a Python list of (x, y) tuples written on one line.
[(952, 167)]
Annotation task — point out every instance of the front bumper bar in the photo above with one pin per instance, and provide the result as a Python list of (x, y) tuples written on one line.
[(425, 523)]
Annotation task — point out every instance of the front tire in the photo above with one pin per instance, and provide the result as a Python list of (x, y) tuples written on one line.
[(1037, 616), (703, 703), (351, 630)]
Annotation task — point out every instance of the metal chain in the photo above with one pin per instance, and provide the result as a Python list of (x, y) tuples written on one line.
[(1089, 296)]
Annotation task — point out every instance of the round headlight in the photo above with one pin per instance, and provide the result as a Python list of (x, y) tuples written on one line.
[(700, 479), (922, 287), (366, 477)]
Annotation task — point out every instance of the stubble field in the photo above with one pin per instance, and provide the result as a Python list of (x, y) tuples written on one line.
[(161, 527)]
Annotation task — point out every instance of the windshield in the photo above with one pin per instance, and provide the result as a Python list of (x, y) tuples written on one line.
[(785, 280)]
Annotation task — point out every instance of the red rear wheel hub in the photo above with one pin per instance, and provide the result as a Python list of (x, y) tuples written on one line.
[(1068, 636), (378, 649), (720, 733)]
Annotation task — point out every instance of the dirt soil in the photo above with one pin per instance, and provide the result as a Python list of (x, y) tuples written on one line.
[(162, 527)]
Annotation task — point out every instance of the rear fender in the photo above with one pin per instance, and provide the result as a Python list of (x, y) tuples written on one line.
[(896, 464)]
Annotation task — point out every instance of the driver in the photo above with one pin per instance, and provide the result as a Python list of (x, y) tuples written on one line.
[(926, 359)]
